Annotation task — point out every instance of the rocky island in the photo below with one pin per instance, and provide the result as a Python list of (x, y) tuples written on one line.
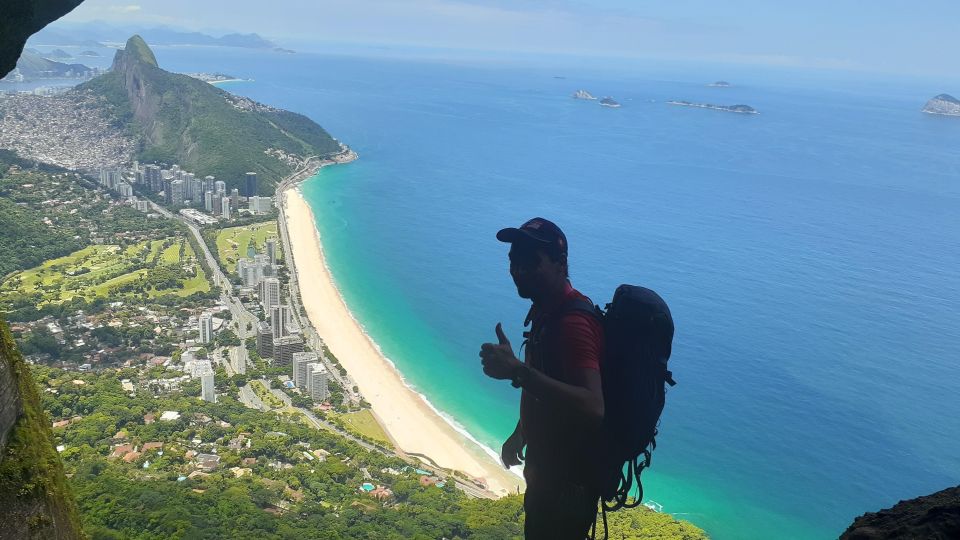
[(944, 104), (739, 109), (583, 94), (720, 84), (214, 78), (609, 102)]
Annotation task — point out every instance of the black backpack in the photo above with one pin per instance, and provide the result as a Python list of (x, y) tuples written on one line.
[(638, 331)]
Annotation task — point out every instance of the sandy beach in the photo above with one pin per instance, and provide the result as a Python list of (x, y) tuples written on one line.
[(409, 420)]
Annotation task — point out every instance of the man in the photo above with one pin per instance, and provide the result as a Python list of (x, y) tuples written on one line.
[(561, 402)]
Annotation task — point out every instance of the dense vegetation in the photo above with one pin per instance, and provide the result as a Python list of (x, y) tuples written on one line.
[(179, 119), (267, 490)]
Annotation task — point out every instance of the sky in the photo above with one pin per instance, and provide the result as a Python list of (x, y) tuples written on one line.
[(920, 37)]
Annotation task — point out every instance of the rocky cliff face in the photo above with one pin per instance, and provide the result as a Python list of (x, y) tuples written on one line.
[(932, 517), (943, 104), (35, 501)]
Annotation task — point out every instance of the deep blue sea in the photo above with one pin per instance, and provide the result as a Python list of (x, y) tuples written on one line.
[(810, 255)]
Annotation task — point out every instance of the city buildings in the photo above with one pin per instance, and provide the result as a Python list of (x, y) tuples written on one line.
[(259, 205), (316, 383), (207, 383), (300, 362), (280, 321), (264, 340), (271, 249), (284, 347), (269, 293), (206, 328), (225, 207), (250, 184)]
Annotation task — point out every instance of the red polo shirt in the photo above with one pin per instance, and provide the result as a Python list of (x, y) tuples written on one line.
[(555, 446)]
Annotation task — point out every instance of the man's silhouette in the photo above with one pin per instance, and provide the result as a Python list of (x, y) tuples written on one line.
[(561, 402)]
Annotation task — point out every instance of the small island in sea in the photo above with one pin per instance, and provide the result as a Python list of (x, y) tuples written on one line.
[(720, 84), (944, 104), (609, 102), (214, 78), (739, 109), (583, 94), (89, 53)]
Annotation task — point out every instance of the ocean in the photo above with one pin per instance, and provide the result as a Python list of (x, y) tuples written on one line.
[(809, 254)]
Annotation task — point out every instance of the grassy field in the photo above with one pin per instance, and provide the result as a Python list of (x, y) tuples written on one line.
[(114, 271), (232, 243), (363, 423)]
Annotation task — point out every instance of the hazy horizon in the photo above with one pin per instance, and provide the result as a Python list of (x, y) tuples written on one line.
[(887, 38)]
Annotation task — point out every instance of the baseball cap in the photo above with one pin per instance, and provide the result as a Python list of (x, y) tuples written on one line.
[(538, 230)]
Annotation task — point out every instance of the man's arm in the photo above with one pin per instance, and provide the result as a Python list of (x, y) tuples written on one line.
[(583, 396)]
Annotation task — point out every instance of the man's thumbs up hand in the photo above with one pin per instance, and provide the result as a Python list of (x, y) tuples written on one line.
[(502, 337), (497, 358)]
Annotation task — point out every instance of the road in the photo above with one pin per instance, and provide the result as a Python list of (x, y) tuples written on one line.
[(239, 314)]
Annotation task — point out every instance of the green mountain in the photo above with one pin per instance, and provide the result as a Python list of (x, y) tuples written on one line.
[(34, 66), (179, 119)]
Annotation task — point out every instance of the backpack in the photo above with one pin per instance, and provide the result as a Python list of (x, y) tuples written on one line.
[(638, 330)]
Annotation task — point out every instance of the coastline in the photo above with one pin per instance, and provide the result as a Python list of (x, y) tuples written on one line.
[(416, 426)]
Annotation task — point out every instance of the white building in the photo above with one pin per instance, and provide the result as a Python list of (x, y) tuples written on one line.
[(206, 328), (205, 372), (259, 205), (269, 293), (225, 208), (219, 186), (317, 382), (250, 272), (300, 364), (208, 201)]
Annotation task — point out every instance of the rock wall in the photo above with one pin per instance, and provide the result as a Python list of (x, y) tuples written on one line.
[(935, 516), (35, 499), (10, 405)]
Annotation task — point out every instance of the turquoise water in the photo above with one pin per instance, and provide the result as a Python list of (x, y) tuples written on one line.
[(809, 255)]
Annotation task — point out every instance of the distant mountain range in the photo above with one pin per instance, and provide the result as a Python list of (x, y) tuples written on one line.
[(93, 34), (179, 119), (33, 66)]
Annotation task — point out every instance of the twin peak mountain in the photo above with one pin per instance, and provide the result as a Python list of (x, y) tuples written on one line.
[(179, 119)]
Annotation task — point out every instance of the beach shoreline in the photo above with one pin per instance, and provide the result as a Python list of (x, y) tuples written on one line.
[(417, 427)]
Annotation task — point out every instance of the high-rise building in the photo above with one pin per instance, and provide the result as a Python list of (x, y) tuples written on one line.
[(220, 186), (235, 198), (153, 178), (283, 349), (197, 190), (125, 190), (250, 272), (217, 203), (209, 183), (300, 361), (176, 197), (280, 319), (260, 205), (269, 293), (207, 391), (264, 340), (225, 207), (206, 328), (250, 184), (208, 201), (271, 248), (316, 383)]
